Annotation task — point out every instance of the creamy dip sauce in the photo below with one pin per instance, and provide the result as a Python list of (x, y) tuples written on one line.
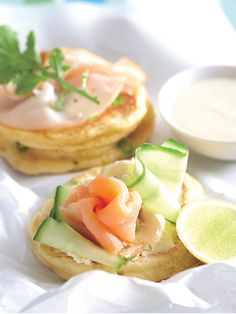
[(208, 109)]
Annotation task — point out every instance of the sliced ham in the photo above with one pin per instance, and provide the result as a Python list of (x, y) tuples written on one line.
[(105, 88), (131, 70), (106, 81), (37, 111)]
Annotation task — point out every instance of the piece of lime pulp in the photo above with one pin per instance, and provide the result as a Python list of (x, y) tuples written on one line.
[(207, 228)]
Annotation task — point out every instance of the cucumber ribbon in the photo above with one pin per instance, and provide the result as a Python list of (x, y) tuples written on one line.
[(158, 175)]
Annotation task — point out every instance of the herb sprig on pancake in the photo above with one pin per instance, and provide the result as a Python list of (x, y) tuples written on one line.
[(26, 70), (58, 129)]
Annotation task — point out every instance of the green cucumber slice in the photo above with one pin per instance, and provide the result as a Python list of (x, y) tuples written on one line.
[(171, 143), (158, 176), (155, 195), (176, 168), (59, 235), (167, 163), (61, 195)]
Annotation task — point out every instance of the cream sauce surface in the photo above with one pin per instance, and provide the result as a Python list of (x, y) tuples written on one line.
[(208, 109)]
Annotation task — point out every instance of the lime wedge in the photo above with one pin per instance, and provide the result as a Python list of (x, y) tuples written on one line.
[(207, 228)]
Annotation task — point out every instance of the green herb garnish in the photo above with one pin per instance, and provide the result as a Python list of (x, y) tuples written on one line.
[(92, 118), (119, 100), (26, 70), (84, 79), (126, 146), (59, 104), (21, 148)]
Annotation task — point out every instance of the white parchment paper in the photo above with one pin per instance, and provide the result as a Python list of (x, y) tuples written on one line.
[(163, 37)]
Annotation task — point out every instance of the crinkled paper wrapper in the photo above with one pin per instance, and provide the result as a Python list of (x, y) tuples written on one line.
[(163, 41)]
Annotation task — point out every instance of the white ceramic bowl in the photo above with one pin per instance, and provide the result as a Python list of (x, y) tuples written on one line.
[(225, 150)]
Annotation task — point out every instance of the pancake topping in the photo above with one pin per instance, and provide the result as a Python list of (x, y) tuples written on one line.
[(105, 209), (122, 212), (59, 88)]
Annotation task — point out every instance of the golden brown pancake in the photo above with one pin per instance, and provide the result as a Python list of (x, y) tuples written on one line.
[(91, 142), (156, 264), (83, 145), (64, 155)]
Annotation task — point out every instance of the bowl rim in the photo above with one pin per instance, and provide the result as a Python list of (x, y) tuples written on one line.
[(165, 87)]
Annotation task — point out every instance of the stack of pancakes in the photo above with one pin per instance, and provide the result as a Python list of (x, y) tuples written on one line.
[(90, 143)]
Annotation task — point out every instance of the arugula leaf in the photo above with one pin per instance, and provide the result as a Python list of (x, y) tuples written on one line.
[(6, 73), (56, 62), (31, 48), (8, 41), (84, 79), (93, 118), (26, 82), (59, 105), (119, 100), (21, 148), (26, 70), (9, 52), (83, 92), (13, 63), (126, 146)]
